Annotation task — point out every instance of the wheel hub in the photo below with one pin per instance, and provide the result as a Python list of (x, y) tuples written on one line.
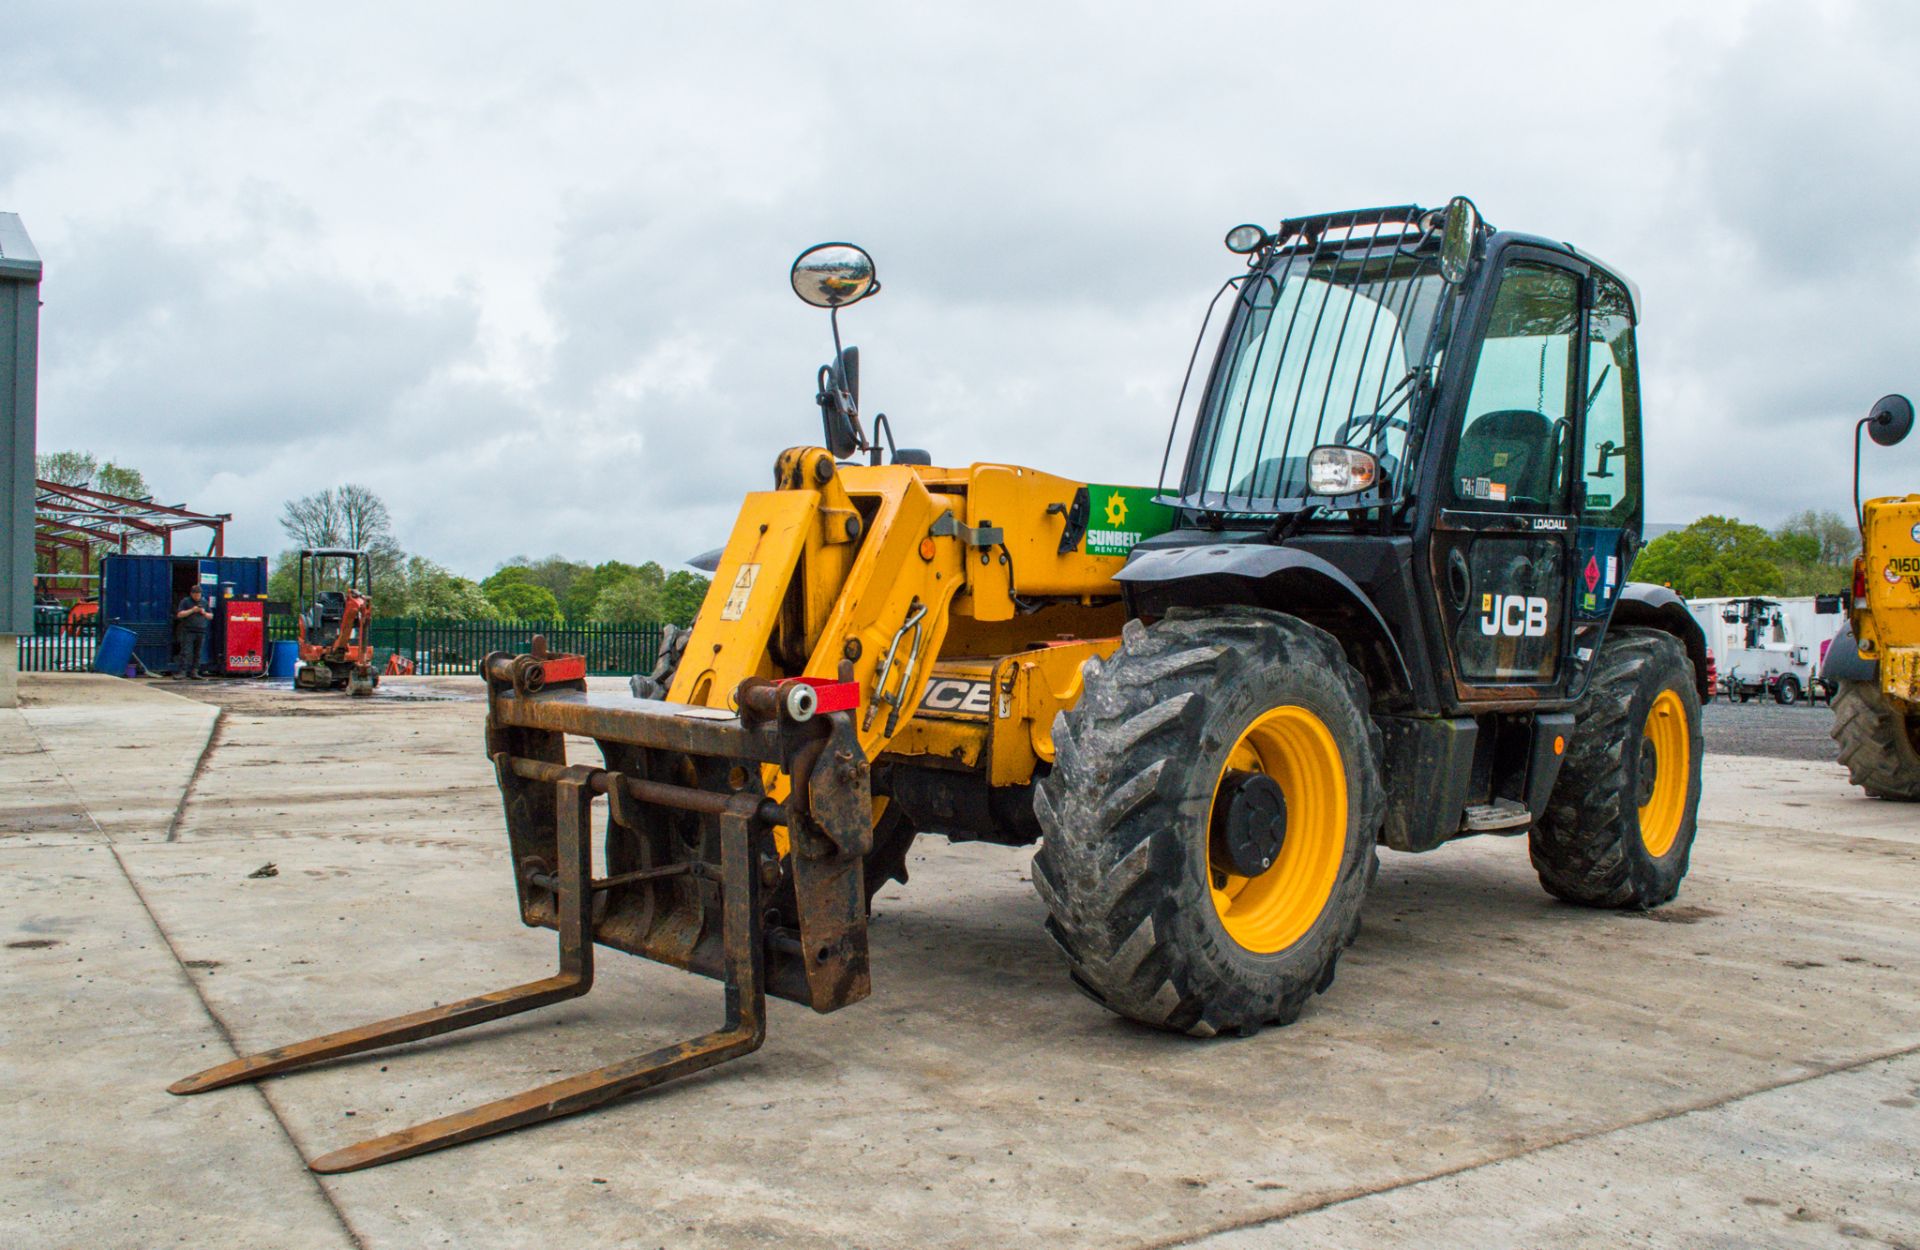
[(1249, 824), (1649, 772)]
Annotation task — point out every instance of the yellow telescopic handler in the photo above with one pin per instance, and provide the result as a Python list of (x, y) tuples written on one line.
[(1380, 599), (1873, 666)]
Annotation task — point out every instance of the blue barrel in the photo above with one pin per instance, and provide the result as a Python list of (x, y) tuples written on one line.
[(285, 658), (116, 651)]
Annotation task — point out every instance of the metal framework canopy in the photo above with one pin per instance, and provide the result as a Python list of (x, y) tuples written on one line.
[(84, 520)]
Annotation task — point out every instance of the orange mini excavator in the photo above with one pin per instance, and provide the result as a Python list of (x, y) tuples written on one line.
[(336, 612)]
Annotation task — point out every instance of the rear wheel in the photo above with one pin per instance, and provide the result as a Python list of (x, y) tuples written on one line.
[(1879, 746), (1787, 690), (1208, 827), (1619, 825)]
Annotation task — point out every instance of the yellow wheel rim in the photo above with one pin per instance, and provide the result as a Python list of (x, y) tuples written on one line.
[(1668, 751), (1272, 911)]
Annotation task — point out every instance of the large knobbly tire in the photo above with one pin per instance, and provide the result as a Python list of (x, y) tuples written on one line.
[(893, 837), (1637, 725), (1877, 744), (1124, 863), (673, 645)]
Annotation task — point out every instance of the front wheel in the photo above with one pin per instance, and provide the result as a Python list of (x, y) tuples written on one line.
[(1879, 746), (1209, 823), (1786, 691), (1619, 825)]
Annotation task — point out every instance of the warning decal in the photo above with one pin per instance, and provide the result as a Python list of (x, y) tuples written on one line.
[(742, 591)]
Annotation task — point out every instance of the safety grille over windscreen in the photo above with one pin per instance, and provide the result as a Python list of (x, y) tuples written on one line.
[(1328, 342)]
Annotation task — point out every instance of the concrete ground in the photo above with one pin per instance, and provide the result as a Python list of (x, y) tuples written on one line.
[(1741, 1068)]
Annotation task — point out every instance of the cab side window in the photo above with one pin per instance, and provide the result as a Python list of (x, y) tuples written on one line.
[(1610, 451), (1512, 451)]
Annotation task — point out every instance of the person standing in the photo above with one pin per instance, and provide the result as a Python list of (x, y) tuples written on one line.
[(190, 617)]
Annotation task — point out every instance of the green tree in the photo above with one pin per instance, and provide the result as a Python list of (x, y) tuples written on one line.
[(521, 601), (431, 592), (556, 573), (1712, 557), (681, 597), (632, 600), (1813, 579), (69, 468), (118, 479), (347, 516), (283, 578), (585, 591), (1835, 539), (85, 470), (1816, 553), (507, 575)]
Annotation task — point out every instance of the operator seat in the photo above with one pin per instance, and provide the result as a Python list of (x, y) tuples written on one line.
[(324, 616), (1513, 447)]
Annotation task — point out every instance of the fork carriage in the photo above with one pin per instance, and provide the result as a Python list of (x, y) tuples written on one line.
[(692, 848)]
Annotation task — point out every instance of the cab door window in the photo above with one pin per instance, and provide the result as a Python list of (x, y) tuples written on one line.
[(1610, 451), (1511, 456)]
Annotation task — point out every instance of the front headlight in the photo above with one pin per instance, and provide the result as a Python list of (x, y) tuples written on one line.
[(1341, 471)]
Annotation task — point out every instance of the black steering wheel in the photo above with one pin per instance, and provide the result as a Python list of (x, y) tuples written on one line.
[(1374, 426)]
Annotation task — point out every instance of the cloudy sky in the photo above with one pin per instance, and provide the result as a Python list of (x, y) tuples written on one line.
[(522, 268)]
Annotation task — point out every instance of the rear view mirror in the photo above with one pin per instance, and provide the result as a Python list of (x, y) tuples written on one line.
[(1891, 420), (833, 275), (1459, 237)]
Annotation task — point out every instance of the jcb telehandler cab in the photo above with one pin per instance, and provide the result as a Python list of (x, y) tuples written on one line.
[(1873, 666), (1382, 598)]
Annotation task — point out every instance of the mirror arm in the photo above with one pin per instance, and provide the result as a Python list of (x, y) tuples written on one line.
[(1859, 518), (880, 423), (849, 402)]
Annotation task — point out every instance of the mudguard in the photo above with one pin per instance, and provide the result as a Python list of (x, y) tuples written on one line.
[(1658, 607), (1844, 661), (1288, 580)]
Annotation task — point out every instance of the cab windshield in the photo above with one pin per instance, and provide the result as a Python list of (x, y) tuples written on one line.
[(1321, 349)]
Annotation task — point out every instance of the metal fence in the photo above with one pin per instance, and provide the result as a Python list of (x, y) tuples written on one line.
[(56, 647), (456, 647), (436, 647)]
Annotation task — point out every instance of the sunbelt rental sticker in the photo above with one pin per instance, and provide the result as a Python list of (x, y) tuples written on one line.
[(1120, 516)]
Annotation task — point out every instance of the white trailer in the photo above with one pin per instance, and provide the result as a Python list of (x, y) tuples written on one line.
[(1769, 646)]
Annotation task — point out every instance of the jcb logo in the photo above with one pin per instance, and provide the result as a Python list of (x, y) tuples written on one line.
[(953, 694), (1516, 616)]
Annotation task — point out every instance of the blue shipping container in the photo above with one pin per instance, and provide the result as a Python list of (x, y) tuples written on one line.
[(138, 593)]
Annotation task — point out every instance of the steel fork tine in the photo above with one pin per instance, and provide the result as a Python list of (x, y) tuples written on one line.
[(574, 978), (742, 1033), (548, 1102), (407, 1028)]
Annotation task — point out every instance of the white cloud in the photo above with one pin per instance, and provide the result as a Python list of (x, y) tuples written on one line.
[(526, 275)]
